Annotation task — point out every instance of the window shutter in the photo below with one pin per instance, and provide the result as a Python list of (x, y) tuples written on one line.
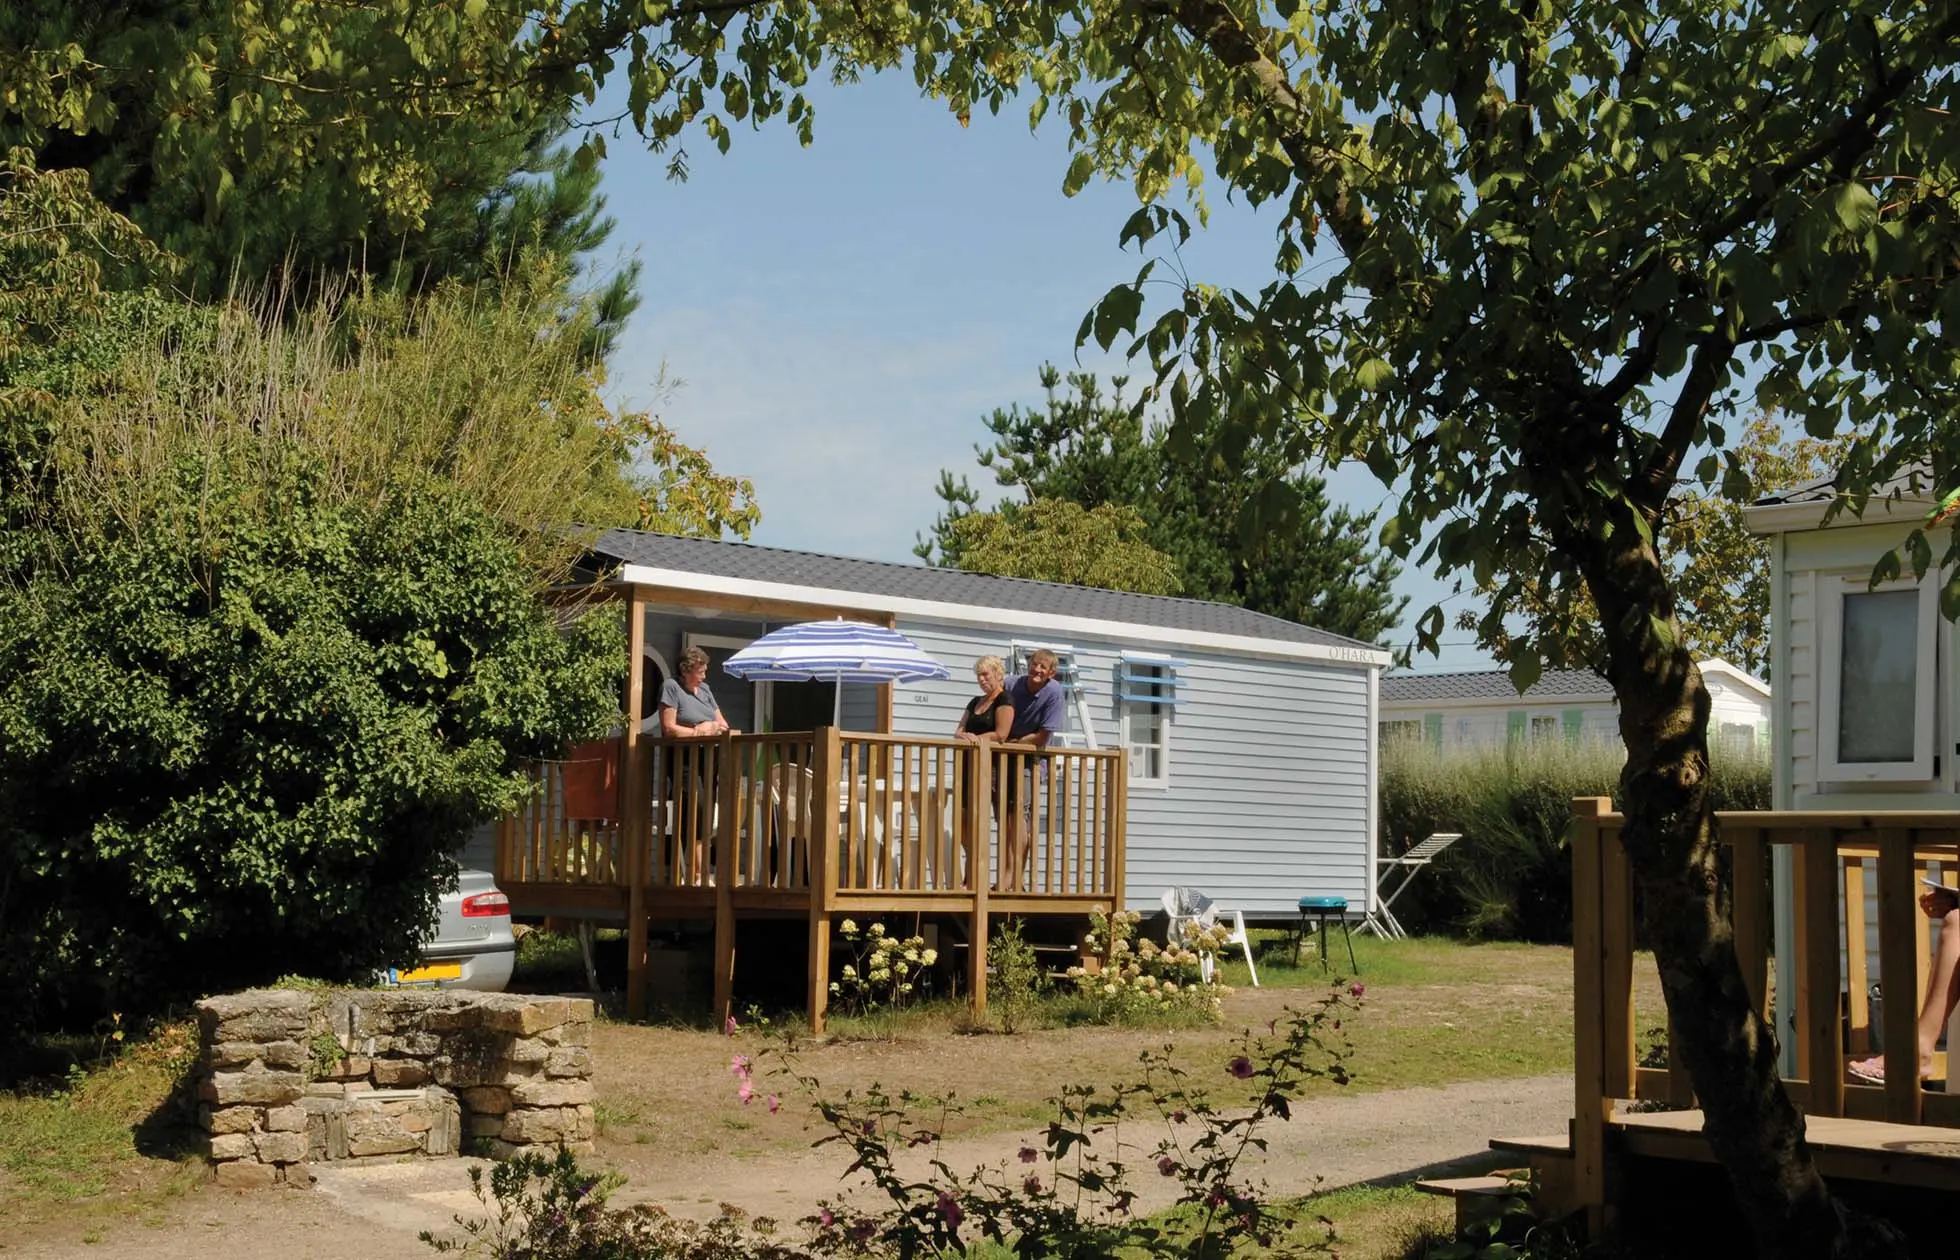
[(1575, 725), (1432, 729), (1514, 725)]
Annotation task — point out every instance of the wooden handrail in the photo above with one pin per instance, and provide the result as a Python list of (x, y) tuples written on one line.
[(1838, 859)]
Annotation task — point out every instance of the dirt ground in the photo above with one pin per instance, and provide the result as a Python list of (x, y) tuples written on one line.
[(672, 1124)]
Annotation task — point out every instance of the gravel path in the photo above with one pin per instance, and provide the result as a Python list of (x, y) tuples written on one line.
[(378, 1210)]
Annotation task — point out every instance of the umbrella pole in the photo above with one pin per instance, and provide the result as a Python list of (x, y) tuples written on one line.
[(837, 702)]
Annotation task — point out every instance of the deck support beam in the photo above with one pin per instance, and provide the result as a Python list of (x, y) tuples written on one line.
[(728, 790), (825, 751), (635, 808)]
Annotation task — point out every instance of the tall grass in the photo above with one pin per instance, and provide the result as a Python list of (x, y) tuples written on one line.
[(1510, 877), (487, 392)]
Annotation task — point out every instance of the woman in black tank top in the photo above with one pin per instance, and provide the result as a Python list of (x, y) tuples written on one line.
[(988, 715)]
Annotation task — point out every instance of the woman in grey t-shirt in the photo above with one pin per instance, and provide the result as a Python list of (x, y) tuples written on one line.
[(687, 706)]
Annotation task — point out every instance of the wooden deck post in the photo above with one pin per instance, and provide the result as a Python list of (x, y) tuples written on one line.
[(1119, 828), (729, 781), (1818, 983), (822, 827), (635, 809), (1591, 1102), (977, 822), (1898, 970)]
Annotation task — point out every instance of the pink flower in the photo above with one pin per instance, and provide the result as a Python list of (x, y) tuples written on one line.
[(1032, 1185), (731, 1027), (1241, 1067), (746, 1090), (1123, 1201), (775, 1104), (1178, 1116), (1357, 989), (1167, 1166), (825, 1218), (949, 1210), (1029, 1155), (739, 1065)]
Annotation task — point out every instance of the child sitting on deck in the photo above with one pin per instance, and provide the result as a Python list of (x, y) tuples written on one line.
[(1942, 988)]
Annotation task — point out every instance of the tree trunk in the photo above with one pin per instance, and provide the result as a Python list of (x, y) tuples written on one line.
[(1729, 1051)]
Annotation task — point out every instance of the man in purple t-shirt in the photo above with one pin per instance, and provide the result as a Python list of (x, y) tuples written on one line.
[(1037, 705)]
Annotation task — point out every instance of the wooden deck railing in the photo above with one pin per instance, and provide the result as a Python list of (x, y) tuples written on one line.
[(896, 818), (544, 844), (1838, 859)]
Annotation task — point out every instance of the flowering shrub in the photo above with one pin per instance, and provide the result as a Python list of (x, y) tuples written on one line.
[(1068, 1193), (883, 971), (1137, 977), (551, 1209)]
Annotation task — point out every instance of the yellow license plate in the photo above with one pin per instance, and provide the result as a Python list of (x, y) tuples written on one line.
[(434, 971)]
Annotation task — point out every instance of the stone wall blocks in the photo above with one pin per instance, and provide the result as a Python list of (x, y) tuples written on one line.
[(399, 1073), (511, 1073), (529, 1050), (487, 1100), (240, 1174), (568, 1061), (538, 1125), (259, 1086), (233, 1054), (280, 1148), (255, 1015), (551, 1093), (228, 1119)]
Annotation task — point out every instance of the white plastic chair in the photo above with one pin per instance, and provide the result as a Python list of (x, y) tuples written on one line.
[(1188, 905)]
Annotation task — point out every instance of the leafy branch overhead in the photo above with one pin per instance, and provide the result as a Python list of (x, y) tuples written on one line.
[(1238, 527)]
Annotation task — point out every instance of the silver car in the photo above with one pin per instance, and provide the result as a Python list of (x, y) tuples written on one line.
[(473, 946)]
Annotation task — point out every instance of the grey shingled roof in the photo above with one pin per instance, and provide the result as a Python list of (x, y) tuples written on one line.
[(917, 581), (1495, 684)]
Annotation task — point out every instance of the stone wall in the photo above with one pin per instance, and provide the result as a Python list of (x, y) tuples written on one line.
[(290, 1077)]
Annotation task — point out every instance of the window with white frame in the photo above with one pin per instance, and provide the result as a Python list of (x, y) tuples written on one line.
[(1877, 667), (1146, 696), (1737, 739), (1544, 728)]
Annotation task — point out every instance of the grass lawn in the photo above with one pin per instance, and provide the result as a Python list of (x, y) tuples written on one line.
[(96, 1145), (1434, 1012)]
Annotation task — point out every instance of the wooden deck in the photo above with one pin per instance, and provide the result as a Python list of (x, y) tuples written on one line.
[(823, 825), (1902, 1132)]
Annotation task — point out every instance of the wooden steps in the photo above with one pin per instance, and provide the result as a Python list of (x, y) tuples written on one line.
[(1478, 1198)]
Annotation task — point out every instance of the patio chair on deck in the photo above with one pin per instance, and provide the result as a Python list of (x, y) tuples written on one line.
[(1381, 921), (1188, 905)]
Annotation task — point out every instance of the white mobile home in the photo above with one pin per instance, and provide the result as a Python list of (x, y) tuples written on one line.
[(1250, 741), (1481, 708)]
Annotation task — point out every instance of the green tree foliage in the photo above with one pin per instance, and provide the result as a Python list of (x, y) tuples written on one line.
[(254, 755), (245, 139), (1058, 540), (1263, 537), (274, 639), (1721, 571), (1555, 251)]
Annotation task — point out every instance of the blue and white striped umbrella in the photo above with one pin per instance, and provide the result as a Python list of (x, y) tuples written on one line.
[(835, 652)]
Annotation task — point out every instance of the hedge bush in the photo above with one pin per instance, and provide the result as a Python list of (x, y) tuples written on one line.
[(1510, 877)]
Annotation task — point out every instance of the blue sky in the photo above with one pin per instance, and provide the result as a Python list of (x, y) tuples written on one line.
[(841, 317)]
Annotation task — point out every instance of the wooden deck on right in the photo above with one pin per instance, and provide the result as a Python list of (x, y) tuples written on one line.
[(1855, 883), (1915, 1155)]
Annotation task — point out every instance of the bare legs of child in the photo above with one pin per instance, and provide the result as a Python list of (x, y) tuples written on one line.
[(1942, 989)]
